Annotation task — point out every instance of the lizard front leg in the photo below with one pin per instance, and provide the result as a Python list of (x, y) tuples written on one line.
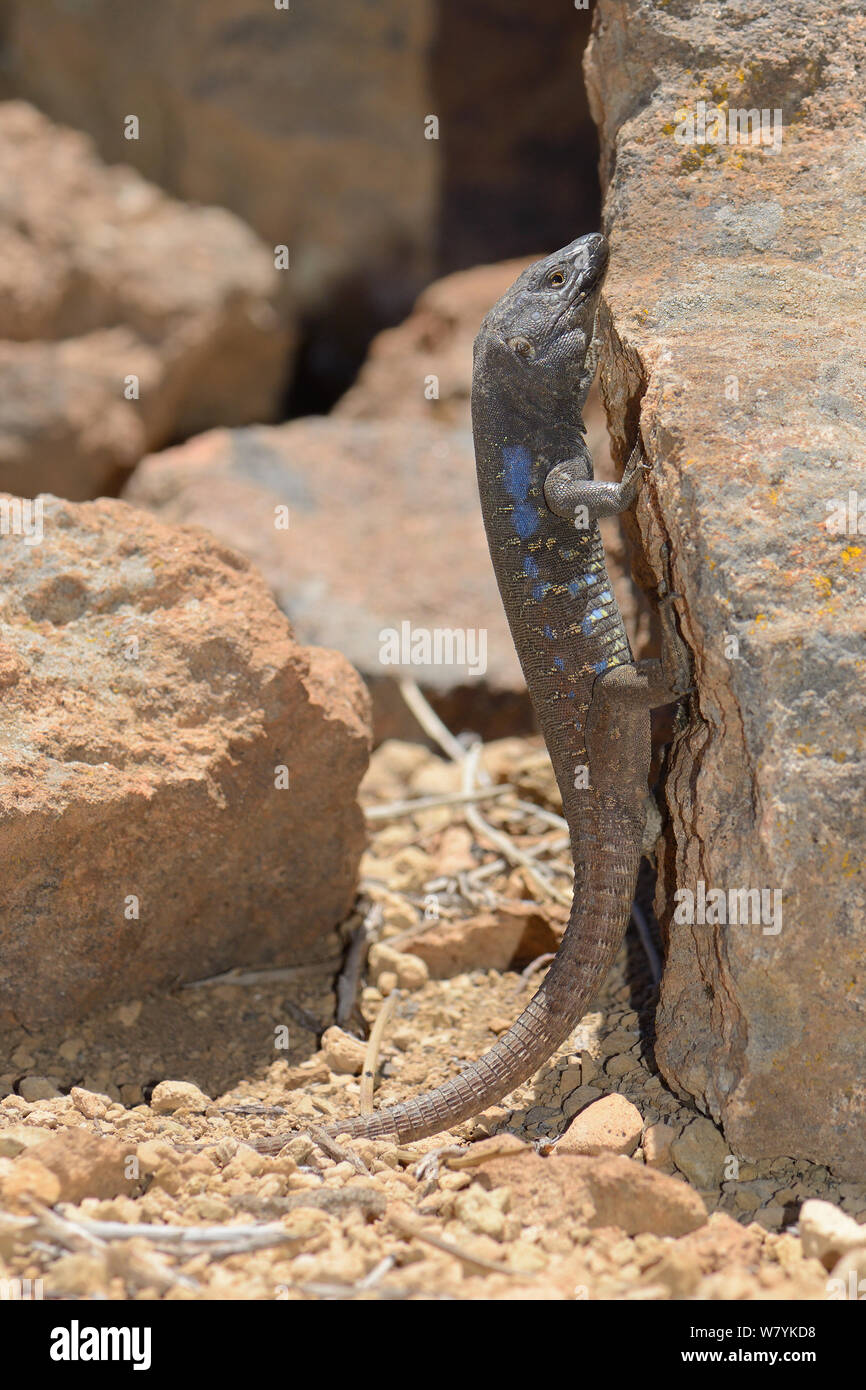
[(569, 492)]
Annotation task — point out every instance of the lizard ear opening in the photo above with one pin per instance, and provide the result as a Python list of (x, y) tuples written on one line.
[(522, 347)]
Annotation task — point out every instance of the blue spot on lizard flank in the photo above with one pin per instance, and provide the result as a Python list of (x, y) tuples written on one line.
[(539, 590), (517, 471), (530, 568), (559, 663), (516, 477), (525, 520), (599, 667), (574, 587), (549, 633)]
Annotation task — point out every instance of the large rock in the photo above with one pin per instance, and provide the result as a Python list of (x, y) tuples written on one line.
[(384, 529), (734, 322), (150, 691), (103, 278)]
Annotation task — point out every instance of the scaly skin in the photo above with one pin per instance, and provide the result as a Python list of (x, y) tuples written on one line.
[(532, 369)]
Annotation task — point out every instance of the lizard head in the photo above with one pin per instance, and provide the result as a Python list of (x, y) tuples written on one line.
[(541, 329)]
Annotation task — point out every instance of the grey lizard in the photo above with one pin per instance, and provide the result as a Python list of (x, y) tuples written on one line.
[(533, 365)]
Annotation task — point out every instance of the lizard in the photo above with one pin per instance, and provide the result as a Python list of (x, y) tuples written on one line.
[(533, 364)]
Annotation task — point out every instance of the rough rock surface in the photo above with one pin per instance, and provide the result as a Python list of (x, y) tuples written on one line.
[(734, 326), (102, 278), (150, 693), (384, 529)]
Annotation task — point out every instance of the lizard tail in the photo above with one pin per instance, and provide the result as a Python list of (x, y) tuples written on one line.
[(599, 916)]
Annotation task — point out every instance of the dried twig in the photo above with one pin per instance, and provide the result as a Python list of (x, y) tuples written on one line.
[(413, 1232), (270, 976), (501, 841), (530, 809), (544, 959), (395, 809), (430, 721), (339, 1152), (350, 975), (188, 1240), (371, 1056)]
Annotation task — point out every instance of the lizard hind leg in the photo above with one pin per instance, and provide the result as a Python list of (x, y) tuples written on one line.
[(669, 677)]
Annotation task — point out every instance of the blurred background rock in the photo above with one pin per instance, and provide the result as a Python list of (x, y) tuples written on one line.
[(309, 123)]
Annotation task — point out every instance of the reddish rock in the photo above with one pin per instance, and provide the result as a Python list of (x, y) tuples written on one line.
[(102, 278), (23, 1181), (64, 424), (611, 1125), (150, 694), (723, 1244), (514, 935), (733, 325), (85, 1164), (384, 529), (597, 1191), (342, 1052), (657, 1142)]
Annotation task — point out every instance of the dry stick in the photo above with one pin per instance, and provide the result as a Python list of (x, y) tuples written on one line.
[(258, 977), (430, 721), (500, 841), (544, 959), (80, 1236), (550, 816), (181, 1239), (413, 1232), (428, 803), (370, 1280), (371, 1056), (347, 984), (72, 1235), (337, 1151)]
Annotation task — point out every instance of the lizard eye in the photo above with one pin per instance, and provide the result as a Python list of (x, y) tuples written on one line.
[(556, 277), (522, 346)]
